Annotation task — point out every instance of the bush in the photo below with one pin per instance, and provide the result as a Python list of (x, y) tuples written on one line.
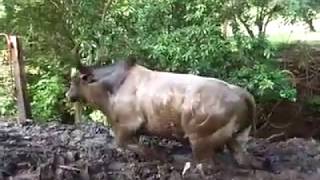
[(7, 99), (186, 38), (267, 83), (7, 105), (47, 96), (313, 103), (196, 45), (259, 72)]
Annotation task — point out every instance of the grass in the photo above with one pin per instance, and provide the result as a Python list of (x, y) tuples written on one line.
[(289, 38)]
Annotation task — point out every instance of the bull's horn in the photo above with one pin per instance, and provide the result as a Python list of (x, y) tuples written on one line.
[(73, 72)]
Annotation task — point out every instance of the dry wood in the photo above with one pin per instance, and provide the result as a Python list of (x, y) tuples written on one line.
[(70, 168)]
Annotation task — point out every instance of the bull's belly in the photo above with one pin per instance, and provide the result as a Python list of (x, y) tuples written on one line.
[(165, 127)]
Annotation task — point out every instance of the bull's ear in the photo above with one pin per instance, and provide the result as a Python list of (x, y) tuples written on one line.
[(131, 60), (85, 70), (86, 74)]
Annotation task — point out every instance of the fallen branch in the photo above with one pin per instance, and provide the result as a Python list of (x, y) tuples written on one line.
[(274, 136), (69, 168), (280, 127)]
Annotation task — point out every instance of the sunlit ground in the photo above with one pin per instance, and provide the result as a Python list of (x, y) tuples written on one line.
[(309, 37), (279, 33)]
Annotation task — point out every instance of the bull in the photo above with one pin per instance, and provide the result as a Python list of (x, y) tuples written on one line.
[(206, 112)]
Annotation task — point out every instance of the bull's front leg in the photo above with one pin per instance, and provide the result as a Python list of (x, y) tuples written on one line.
[(128, 139)]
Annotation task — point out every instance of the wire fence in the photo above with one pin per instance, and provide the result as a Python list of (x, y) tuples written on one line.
[(7, 85)]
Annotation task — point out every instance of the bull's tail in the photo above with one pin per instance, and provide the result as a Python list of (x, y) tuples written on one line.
[(252, 110)]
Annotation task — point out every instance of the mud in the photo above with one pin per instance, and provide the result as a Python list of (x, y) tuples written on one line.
[(54, 151)]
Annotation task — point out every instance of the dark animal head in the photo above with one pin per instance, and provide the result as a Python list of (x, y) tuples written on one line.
[(91, 82), (80, 83)]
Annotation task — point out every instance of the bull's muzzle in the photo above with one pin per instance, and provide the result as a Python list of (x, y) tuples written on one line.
[(70, 98)]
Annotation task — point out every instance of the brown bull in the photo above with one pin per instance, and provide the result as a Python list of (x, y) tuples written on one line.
[(206, 112)]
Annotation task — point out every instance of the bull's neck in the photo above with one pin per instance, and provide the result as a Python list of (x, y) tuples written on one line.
[(102, 104), (105, 101), (104, 108)]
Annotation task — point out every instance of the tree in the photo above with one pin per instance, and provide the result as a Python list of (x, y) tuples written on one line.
[(252, 14), (302, 10)]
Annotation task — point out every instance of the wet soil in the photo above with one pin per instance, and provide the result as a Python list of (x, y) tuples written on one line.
[(55, 151)]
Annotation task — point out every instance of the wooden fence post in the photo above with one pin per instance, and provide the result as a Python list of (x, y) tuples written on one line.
[(15, 50)]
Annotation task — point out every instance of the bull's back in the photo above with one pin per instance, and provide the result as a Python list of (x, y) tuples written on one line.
[(167, 97)]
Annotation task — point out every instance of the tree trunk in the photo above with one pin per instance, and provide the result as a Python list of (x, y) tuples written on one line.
[(260, 30), (225, 28), (247, 27), (310, 24)]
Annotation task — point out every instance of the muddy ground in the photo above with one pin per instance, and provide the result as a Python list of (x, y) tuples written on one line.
[(55, 151)]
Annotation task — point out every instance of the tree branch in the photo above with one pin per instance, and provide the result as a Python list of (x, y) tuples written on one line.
[(243, 22), (267, 18), (105, 8)]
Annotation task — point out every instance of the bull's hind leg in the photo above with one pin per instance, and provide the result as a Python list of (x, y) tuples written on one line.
[(237, 147), (203, 148), (202, 152)]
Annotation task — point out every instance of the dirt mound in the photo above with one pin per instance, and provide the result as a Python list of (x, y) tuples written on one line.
[(54, 151), (301, 61)]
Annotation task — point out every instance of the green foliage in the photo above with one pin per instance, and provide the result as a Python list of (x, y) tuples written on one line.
[(252, 14), (192, 49), (46, 98), (7, 99), (7, 105), (198, 47), (298, 10), (97, 116), (47, 41), (266, 82), (314, 103), (186, 39), (259, 72)]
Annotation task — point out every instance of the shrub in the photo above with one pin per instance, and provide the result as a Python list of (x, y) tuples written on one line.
[(47, 96), (259, 72)]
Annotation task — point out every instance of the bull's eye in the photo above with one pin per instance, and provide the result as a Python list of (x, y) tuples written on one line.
[(84, 77), (88, 78)]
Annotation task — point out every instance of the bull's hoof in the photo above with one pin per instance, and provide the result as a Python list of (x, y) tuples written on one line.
[(199, 168), (186, 168)]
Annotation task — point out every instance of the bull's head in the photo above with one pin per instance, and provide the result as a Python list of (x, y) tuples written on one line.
[(90, 83), (80, 82)]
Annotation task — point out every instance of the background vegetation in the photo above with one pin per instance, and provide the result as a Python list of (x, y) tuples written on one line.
[(219, 38)]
